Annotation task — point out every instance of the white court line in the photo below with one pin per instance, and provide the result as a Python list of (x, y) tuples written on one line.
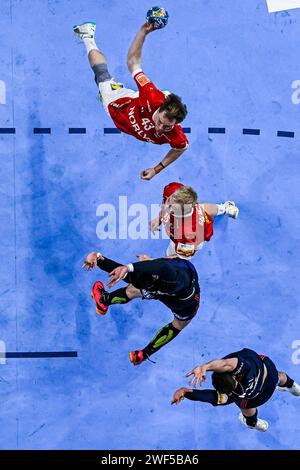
[(2, 92), (281, 5), (2, 352)]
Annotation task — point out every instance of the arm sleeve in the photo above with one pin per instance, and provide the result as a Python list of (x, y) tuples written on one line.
[(178, 139), (208, 396), (157, 267), (242, 365), (107, 264), (149, 95)]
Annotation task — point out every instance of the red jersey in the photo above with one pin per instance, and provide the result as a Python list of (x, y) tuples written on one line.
[(134, 115), (188, 232)]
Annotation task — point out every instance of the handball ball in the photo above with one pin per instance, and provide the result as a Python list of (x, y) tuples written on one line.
[(158, 17)]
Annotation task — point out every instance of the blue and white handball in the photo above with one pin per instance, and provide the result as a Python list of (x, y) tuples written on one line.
[(158, 16)]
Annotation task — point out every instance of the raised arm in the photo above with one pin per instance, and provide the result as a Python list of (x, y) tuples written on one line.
[(134, 56), (153, 267), (217, 365), (171, 157)]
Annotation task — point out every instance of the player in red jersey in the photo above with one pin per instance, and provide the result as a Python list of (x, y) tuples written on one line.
[(149, 115), (187, 222)]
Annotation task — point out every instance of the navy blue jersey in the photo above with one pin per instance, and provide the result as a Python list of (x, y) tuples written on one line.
[(249, 373), (166, 276)]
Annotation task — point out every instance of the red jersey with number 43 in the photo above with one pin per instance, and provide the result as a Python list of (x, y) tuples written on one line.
[(134, 115), (188, 232)]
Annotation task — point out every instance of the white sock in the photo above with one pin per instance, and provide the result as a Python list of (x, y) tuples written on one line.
[(221, 209), (90, 44)]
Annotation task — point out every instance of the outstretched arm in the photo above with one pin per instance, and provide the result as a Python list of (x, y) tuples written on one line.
[(171, 157), (217, 365), (154, 267), (210, 208), (134, 56), (229, 208), (206, 396), (97, 259)]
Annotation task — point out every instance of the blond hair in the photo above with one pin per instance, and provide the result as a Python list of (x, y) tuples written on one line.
[(185, 196)]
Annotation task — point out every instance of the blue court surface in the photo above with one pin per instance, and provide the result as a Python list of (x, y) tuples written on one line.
[(236, 65)]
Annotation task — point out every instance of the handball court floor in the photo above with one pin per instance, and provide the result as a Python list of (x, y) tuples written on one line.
[(234, 64)]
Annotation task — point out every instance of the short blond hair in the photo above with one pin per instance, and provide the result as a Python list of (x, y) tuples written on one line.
[(185, 196)]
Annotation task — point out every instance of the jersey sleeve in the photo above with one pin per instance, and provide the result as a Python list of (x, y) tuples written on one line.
[(149, 95), (243, 365), (177, 138), (209, 396), (208, 226), (157, 267)]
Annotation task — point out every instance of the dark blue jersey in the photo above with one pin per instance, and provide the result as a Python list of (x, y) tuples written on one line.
[(166, 276), (170, 276), (249, 373)]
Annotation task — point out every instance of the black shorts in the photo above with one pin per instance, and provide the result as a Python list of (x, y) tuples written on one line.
[(183, 309), (186, 306), (267, 390)]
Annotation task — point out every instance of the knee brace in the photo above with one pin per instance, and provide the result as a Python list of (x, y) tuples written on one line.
[(101, 73)]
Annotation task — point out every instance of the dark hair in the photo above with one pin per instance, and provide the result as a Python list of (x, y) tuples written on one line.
[(174, 108), (223, 382)]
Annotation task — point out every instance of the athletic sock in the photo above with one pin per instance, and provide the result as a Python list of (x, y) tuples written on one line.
[(162, 337), (90, 44), (289, 382), (118, 296), (221, 209), (251, 420)]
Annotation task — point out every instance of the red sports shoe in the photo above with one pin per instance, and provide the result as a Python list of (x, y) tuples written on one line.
[(97, 294), (137, 357)]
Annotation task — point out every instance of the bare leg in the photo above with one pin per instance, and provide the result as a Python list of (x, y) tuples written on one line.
[(249, 413), (86, 32), (132, 292), (282, 378), (286, 384), (96, 57), (179, 324)]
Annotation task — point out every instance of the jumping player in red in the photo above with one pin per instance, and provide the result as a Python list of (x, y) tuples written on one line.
[(149, 115), (187, 222)]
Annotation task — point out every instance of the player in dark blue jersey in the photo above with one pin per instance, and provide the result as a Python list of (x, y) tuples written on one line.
[(172, 281), (245, 378)]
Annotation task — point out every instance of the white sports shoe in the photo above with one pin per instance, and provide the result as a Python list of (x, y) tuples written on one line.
[(294, 390), (85, 30), (261, 424), (231, 210)]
